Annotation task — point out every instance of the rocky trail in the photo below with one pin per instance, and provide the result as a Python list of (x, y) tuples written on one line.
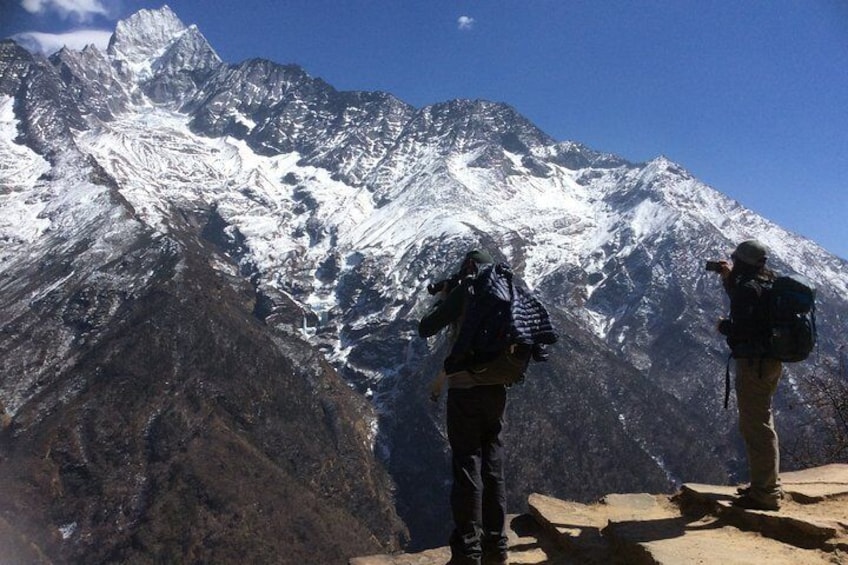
[(698, 524)]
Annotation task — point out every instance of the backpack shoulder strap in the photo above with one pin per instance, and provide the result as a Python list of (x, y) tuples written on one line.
[(727, 381)]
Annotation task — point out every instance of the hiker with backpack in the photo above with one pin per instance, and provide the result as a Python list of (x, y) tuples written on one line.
[(497, 327), (766, 326)]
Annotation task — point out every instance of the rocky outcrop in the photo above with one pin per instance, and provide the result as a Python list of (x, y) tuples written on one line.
[(698, 524)]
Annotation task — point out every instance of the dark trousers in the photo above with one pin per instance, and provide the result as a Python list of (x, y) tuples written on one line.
[(475, 418)]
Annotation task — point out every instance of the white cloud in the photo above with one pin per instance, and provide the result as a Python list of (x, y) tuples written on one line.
[(465, 22), (81, 10), (48, 43)]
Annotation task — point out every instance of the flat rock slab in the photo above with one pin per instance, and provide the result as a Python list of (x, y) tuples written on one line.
[(706, 494), (793, 524), (578, 527), (526, 546), (610, 507), (650, 529), (816, 484), (429, 557), (807, 487), (821, 525), (833, 473), (629, 504), (705, 541)]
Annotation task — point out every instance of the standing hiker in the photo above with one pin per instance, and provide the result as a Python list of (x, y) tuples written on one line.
[(497, 326), (747, 282)]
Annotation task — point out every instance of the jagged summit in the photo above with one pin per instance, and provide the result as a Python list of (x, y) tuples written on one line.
[(153, 43), (91, 80), (190, 52), (480, 121), (145, 35)]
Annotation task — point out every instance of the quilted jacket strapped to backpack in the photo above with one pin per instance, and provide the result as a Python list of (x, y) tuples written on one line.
[(501, 315)]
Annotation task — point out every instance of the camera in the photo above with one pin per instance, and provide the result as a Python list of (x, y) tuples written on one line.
[(447, 285), (713, 266)]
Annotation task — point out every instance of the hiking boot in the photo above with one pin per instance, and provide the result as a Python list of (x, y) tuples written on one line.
[(495, 549), (751, 503), (465, 548), (463, 560), (495, 558)]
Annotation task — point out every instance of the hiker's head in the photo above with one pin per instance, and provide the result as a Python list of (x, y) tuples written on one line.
[(468, 267), (750, 255), (751, 252), (472, 261)]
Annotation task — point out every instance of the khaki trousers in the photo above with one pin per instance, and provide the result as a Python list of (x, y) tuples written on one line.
[(756, 383)]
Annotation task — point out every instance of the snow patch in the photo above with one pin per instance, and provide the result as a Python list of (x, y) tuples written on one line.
[(21, 207), (68, 530)]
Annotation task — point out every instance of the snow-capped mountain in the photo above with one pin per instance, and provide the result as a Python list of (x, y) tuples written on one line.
[(229, 261)]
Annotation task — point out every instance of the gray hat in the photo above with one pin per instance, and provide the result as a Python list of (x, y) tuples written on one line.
[(472, 259), (751, 252), (479, 257)]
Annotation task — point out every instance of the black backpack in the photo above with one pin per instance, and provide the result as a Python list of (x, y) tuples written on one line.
[(792, 319), (505, 325), (790, 332), (493, 295)]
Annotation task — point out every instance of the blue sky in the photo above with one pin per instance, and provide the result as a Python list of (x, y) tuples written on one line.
[(751, 96)]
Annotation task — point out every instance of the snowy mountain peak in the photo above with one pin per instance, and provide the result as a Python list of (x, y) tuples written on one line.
[(574, 155), (189, 52), (154, 53), (480, 121), (145, 35)]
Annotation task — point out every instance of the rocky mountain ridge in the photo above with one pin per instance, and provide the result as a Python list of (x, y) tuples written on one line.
[(308, 221)]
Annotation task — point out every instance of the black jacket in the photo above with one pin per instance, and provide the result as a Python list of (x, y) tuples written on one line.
[(747, 328)]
